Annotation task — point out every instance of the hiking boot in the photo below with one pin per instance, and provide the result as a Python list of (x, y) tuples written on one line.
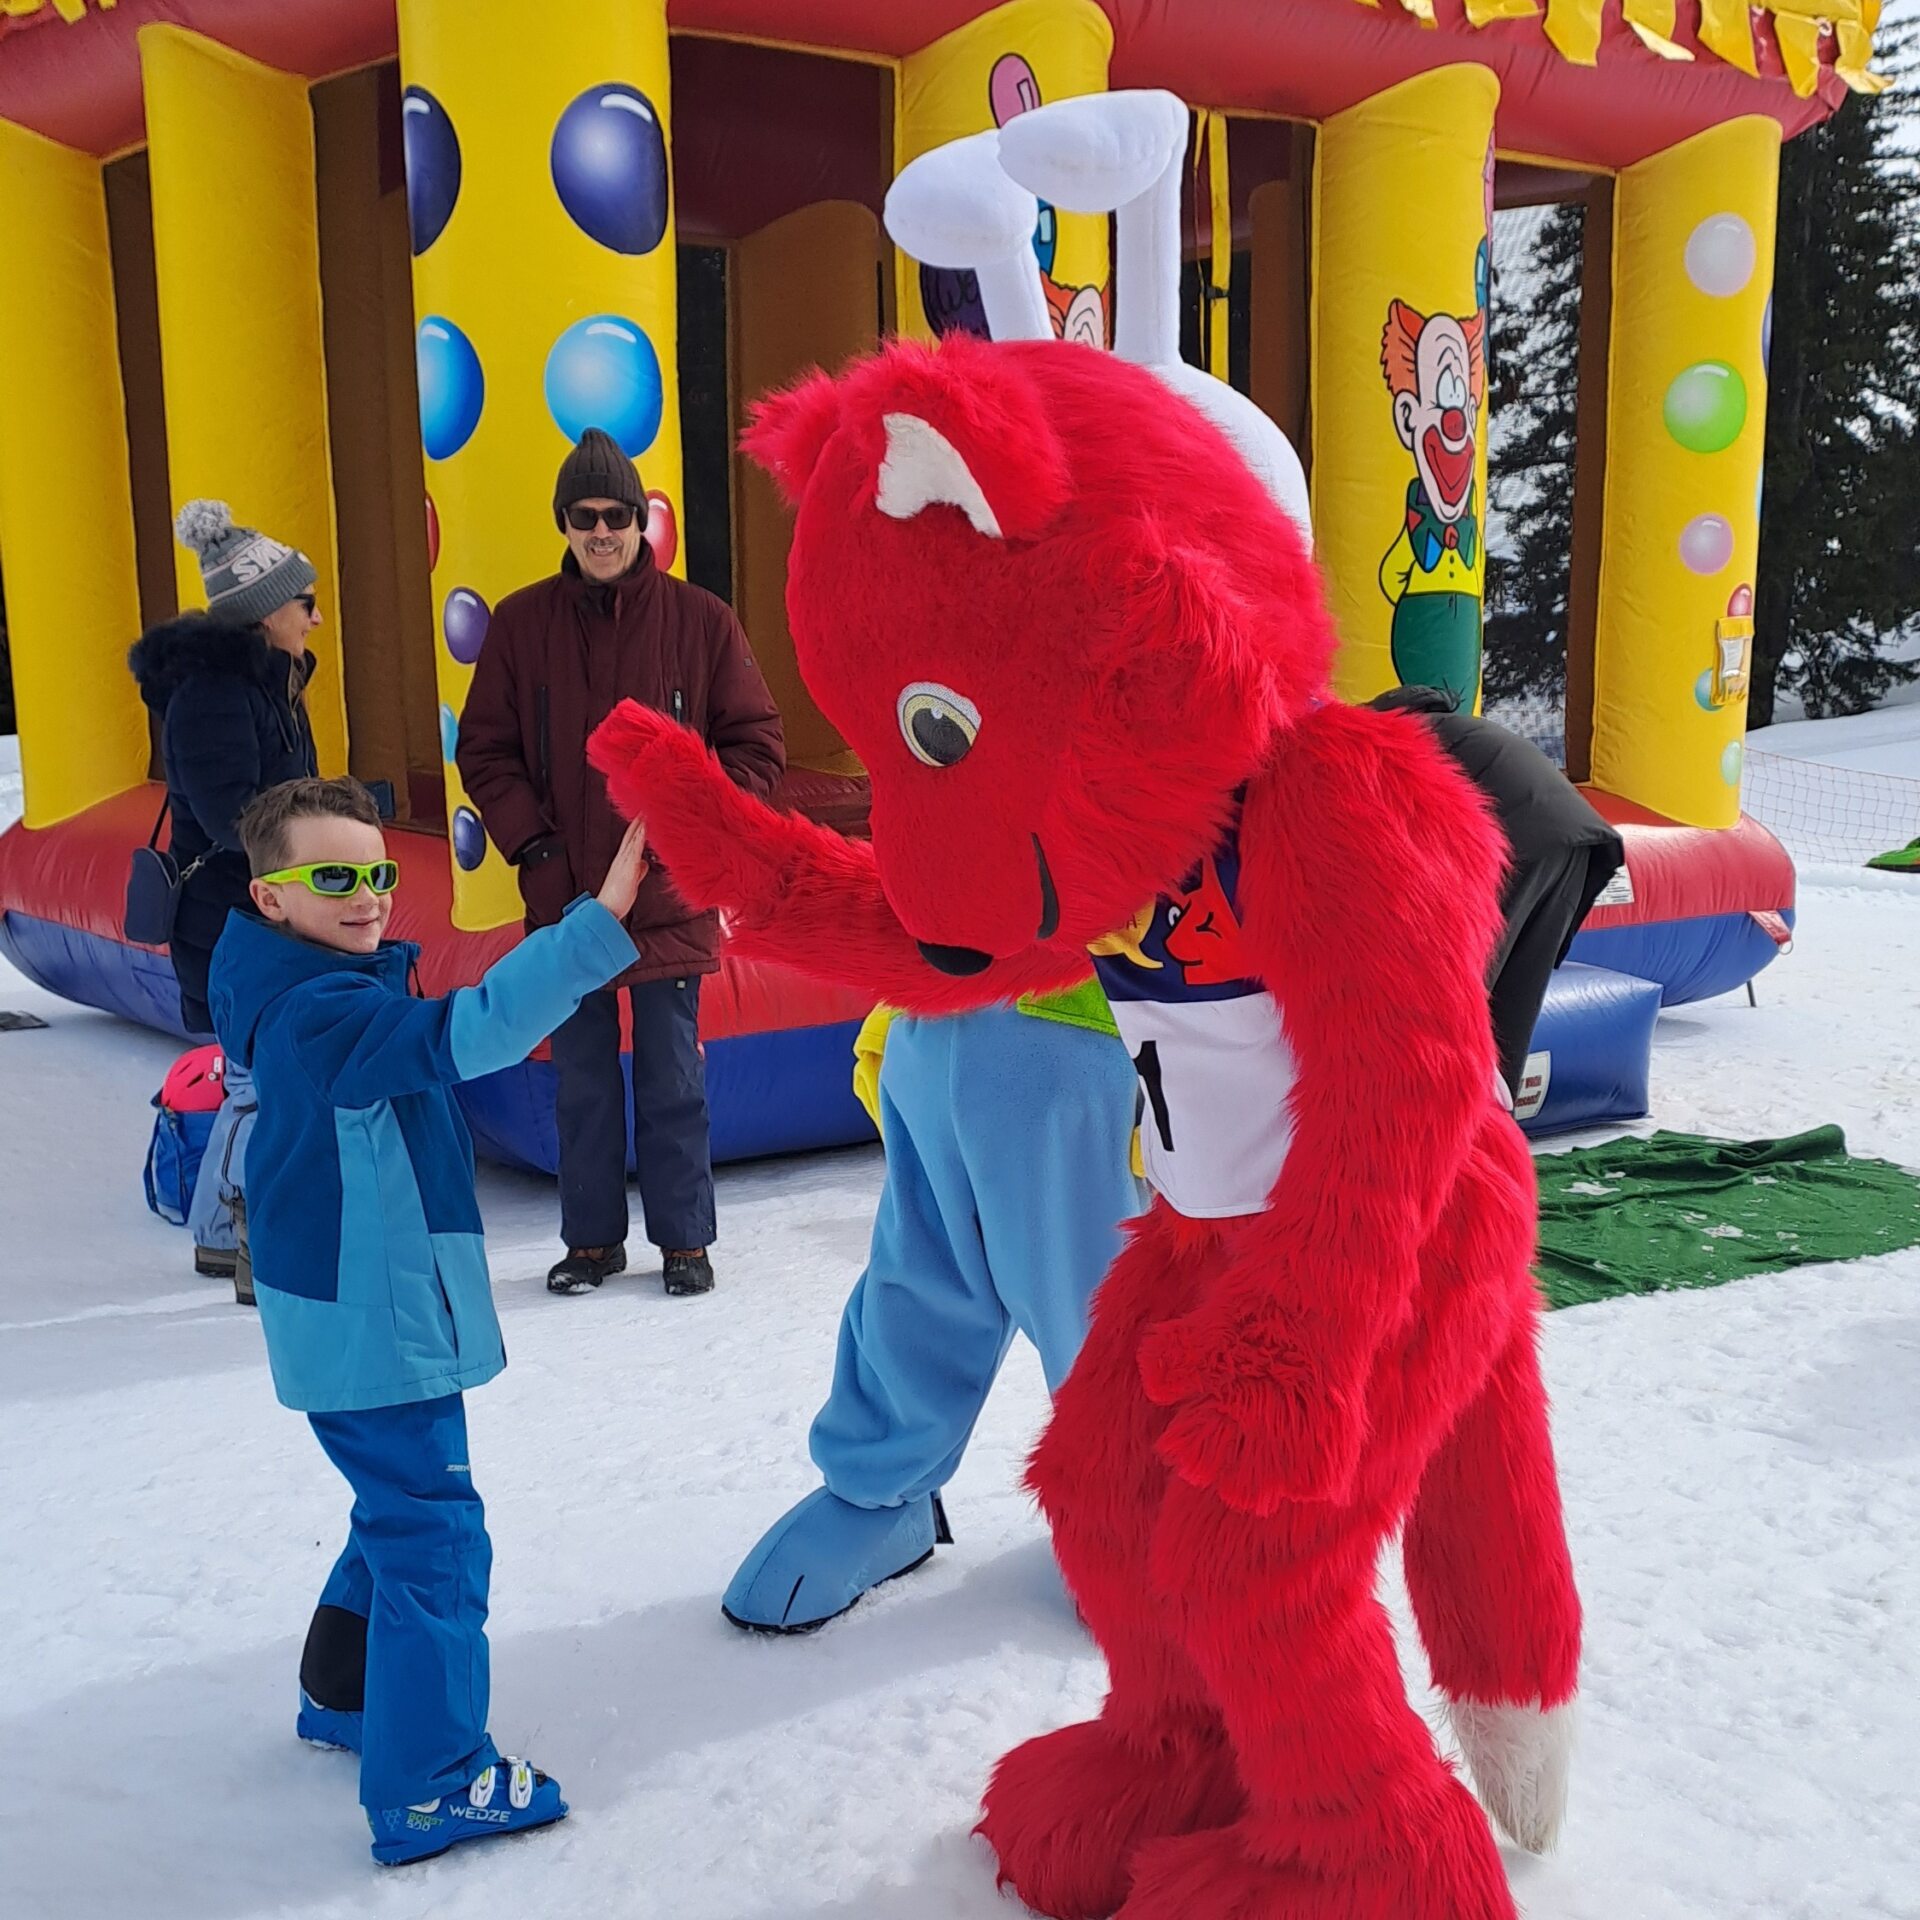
[(688, 1273), (509, 1797), (243, 1256), (215, 1263), (585, 1268)]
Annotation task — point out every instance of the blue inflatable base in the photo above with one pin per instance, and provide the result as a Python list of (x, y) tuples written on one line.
[(1690, 959), (129, 981), (783, 1092), (1593, 1045)]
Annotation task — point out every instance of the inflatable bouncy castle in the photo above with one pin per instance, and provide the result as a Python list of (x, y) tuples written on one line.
[(447, 235)]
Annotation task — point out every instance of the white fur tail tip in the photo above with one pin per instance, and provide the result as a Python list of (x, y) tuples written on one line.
[(1520, 1758)]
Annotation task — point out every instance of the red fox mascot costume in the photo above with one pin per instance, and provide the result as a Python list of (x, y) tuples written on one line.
[(1084, 659)]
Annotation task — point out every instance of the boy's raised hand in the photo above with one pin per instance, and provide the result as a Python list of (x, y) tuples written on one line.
[(628, 870)]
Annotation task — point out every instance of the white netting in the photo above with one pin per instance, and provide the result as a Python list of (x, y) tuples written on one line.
[(1825, 813), (1539, 717)]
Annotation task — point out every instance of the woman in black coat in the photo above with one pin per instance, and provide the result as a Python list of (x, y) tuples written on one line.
[(227, 687)]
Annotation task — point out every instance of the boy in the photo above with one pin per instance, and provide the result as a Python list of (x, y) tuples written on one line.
[(371, 1274)]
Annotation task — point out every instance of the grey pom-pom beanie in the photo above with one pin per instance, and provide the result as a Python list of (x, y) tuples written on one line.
[(247, 575)]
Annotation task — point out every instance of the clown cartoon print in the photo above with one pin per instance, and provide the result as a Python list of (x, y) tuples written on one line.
[(1435, 368)]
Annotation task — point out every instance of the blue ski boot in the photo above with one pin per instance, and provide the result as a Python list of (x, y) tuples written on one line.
[(331, 1727), (510, 1797), (820, 1557)]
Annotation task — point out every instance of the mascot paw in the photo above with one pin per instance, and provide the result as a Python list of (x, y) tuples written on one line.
[(1065, 1812), (642, 752), (1520, 1758), (1450, 1873), (1251, 1423)]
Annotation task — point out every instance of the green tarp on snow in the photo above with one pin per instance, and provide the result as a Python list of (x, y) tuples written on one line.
[(1648, 1216)]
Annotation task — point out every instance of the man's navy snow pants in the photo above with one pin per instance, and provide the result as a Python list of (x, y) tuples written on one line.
[(415, 1569), (668, 1114)]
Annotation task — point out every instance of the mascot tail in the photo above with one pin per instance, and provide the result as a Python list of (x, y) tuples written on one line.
[(1492, 1586)]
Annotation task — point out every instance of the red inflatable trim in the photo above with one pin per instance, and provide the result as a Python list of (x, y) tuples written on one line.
[(1311, 58), (1683, 873), (76, 875)]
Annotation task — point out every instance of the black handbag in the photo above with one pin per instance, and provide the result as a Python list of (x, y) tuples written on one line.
[(154, 886)]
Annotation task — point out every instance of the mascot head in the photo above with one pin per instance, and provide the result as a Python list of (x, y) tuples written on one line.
[(1055, 615)]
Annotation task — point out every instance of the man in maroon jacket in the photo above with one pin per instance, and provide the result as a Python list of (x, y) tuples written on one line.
[(609, 626)]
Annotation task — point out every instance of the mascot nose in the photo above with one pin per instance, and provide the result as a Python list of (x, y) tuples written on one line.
[(1453, 423), (962, 963)]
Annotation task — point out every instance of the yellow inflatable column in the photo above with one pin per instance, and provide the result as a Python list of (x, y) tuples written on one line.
[(73, 595), (539, 184), (981, 75), (236, 250), (1686, 431), (1402, 201)]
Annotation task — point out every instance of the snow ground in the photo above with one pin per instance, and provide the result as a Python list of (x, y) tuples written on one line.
[(1742, 1474)]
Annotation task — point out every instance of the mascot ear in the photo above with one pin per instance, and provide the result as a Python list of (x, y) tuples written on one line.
[(962, 425), (786, 432)]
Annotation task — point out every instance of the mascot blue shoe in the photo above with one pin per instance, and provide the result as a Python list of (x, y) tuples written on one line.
[(820, 1557)]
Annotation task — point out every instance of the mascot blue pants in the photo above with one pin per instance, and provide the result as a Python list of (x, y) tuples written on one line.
[(1008, 1135)]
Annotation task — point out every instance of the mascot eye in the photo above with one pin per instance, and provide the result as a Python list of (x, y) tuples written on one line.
[(939, 725), (1452, 391)]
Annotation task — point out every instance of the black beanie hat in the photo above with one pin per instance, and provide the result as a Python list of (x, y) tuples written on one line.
[(597, 470)]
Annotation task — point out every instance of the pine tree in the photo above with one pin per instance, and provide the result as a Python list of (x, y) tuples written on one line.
[(1841, 506), (1534, 375)]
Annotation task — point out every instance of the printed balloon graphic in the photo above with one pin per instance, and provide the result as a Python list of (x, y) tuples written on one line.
[(463, 620), (603, 372), (469, 839), (1732, 762), (1703, 692), (449, 731), (452, 387), (609, 163), (1706, 407), (1706, 544), (1740, 605), (663, 529), (433, 166), (1720, 256), (433, 534)]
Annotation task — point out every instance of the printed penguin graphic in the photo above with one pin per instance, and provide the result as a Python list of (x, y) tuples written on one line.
[(1435, 368)]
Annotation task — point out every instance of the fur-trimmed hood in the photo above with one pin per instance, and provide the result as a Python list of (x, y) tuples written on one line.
[(164, 658)]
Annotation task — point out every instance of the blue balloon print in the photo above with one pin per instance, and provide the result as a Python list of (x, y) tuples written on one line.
[(609, 164), (603, 372), (452, 387), (433, 165), (449, 731), (1766, 336), (469, 839)]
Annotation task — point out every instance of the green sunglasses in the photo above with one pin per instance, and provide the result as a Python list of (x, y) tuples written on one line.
[(339, 879)]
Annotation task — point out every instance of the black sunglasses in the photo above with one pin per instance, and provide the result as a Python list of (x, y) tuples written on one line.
[(584, 519), (306, 601)]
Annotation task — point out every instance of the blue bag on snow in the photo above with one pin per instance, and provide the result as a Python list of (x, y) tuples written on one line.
[(173, 1160)]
